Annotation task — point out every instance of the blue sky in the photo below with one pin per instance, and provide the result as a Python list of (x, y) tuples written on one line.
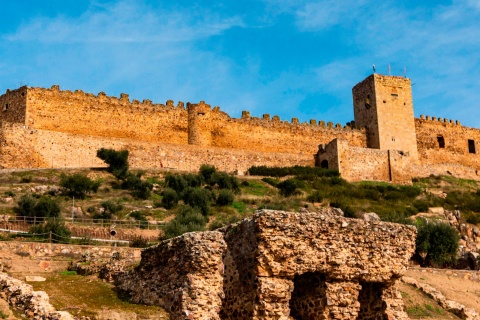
[(287, 58)]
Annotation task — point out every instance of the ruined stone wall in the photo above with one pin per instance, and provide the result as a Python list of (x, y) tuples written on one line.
[(103, 116), (31, 148), (260, 268), (183, 275), (51, 250), (13, 105), (443, 141)]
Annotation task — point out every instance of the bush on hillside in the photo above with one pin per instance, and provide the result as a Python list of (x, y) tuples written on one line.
[(198, 198), (207, 172), (44, 207), (140, 189), (225, 198), (117, 161), (188, 219), (288, 187), (78, 185), (293, 171), (169, 199), (437, 244)]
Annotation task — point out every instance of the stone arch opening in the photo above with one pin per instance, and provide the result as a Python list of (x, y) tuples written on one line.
[(324, 164), (441, 142), (372, 306), (309, 298)]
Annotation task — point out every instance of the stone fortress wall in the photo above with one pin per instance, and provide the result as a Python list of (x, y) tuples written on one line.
[(278, 265), (42, 128)]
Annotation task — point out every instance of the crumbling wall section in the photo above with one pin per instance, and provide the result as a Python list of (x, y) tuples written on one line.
[(444, 141), (183, 275), (278, 265), (13, 106)]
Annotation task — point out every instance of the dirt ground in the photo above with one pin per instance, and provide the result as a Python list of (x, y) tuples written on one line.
[(459, 285)]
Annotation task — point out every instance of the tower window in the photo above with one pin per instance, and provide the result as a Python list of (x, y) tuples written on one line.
[(368, 103), (441, 142), (471, 146), (6, 107), (395, 95)]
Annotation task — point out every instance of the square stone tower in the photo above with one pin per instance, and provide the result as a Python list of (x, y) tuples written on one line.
[(383, 105)]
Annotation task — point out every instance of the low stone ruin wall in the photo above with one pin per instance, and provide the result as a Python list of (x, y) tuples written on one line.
[(34, 304), (278, 265)]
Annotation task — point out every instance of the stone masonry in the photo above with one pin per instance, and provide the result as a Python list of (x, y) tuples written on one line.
[(53, 128), (278, 265)]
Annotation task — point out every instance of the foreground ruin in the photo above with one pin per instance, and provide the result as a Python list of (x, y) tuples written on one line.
[(278, 265)]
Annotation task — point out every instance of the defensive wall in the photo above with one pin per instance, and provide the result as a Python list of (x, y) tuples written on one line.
[(53, 128), (278, 265), (42, 128)]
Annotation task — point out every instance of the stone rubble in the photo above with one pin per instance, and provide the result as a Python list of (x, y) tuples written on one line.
[(278, 265), (34, 304)]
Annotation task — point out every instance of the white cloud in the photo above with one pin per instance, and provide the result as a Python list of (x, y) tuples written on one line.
[(126, 21)]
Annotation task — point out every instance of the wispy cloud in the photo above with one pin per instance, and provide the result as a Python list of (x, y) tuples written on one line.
[(126, 21)]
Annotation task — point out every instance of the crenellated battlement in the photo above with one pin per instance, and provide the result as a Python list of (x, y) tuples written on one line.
[(439, 120)]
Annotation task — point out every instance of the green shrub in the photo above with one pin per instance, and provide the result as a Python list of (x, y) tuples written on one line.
[(198, 198), (117, 161), (225, 181), (294, 171), (421, 205), (139, 242), (187, 219), (288, 187), (25, 206), (207, 172), (225, 198), (194, 180), (46, 207), (9, 194), (245, 183), (439, 242), (140, 189), (109, 208), (78, 185), (316, 196), (29, 206), (176, 182), (139, 216), (170, 199), (60, 233)]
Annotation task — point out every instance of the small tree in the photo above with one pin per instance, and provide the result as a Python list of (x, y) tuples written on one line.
[(25, 206), (170, 198), (109, 208), (117, 161), (140, 189), (437, 244), (207, 171), (47, 208), (287, 187), (199, 198), (187, 219), (225, 198), (78, 185)]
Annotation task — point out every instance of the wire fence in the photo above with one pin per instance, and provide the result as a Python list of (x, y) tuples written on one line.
[(51, 237), (5, 221)]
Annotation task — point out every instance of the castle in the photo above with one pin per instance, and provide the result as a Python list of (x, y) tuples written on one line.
[(51, 128)]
